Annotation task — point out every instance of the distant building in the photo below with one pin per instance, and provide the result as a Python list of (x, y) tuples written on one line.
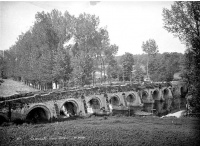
[(147, 78), (98, 74), (177, 76)]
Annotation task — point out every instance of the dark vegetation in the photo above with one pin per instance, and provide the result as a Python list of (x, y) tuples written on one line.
[(183, 20), (162, 67)]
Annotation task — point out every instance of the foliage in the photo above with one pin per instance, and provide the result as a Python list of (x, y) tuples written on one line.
[(44, 54), (162, 67), (62, 68), (91, 43), (113, 69), (139, 73), (150, 47), (127, 62), (183, 20), (2, 66)]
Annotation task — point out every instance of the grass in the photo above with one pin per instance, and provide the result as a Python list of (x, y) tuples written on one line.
[(11, 87), (106, 131)]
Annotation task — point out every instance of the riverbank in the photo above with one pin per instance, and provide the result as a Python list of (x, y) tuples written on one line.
[(10, 87), (112, 130)]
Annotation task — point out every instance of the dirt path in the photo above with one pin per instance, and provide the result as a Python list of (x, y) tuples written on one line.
[(10, 87)]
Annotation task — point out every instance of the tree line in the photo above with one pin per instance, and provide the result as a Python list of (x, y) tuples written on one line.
[(162, 67), (44, 54), (70, 51)]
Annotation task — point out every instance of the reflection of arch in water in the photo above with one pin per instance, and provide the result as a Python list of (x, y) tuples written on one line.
[(95, 103), (69, 107), (131, 98), (165, 93), (144, 95), (155, 95), (114, 100), (38, 113), (3, 118), (183, 91), (158, 106)]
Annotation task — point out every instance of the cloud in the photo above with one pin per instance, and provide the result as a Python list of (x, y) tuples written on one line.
[(93, 3)]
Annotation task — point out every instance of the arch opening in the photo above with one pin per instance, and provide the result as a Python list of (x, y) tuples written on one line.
[(183, 92), (144, 95), (69, 109), (94, 104), (155, 95), (38, 115), (165, 93), (130, 98), (114, 101)]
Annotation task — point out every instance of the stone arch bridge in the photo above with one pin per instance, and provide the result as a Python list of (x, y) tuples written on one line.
[(54, 105)]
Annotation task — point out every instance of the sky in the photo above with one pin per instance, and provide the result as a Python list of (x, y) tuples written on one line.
[(129, 23)]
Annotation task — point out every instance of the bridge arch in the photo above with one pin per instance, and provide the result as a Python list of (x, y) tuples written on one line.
[(183, 91), (38, 113), (114, 100), (95, 103), (165, 93), (131, 98), (155, 94), (145, 95), (69, 108)]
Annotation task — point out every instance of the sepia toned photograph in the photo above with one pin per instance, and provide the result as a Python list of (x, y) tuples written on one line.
[(99, 73)]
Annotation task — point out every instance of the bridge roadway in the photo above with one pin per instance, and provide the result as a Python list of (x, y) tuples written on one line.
[(55, 104)]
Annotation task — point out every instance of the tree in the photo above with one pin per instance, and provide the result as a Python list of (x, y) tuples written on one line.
[(139, 73), (183, 20), (62, 67), (91, 48), (84, 51), (113, 68), (163, 66), (127, 61), (150, 47), (157, 68), (2, 65), (42, 55)]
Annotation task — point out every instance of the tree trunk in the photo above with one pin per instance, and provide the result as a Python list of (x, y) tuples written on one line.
[(104, 70), (123, 75), (148, 66), (93, 76), (101, 72)]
